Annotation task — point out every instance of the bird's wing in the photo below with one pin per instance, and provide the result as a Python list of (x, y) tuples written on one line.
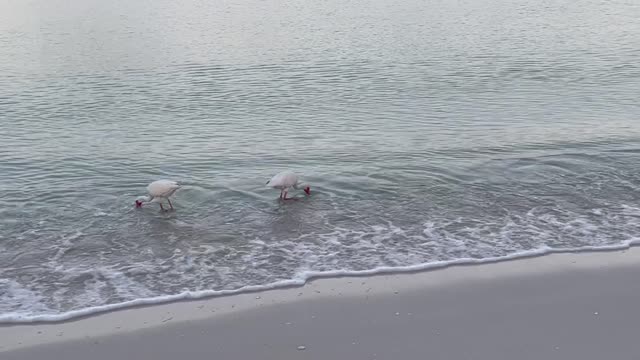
[(162, 188), (283, 179)]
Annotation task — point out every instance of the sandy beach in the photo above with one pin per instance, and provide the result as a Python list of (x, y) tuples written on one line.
[(559, 306)]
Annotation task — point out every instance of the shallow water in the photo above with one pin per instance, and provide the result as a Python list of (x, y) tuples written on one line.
[(430, 131)]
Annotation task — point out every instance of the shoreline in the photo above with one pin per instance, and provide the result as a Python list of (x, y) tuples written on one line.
[(164, 317), (307, 278)]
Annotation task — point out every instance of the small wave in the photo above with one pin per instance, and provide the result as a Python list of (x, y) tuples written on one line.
[(299, 280)]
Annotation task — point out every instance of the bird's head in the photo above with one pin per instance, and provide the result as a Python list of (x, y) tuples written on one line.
[(141, 200), (307, 190)]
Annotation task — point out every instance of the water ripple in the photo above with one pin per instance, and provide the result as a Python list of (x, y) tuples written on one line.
[(428, 134)]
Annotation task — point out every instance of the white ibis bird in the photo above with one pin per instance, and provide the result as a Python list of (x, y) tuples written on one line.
[(285, 181), (158, 191)]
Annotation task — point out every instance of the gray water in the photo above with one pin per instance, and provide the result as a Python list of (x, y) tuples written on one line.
[(430, 131)]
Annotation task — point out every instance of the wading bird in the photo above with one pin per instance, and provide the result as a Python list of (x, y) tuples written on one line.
[(158, 191), (285, 181)]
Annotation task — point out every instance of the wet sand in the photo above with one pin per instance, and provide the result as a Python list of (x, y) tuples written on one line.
[(560, 306)]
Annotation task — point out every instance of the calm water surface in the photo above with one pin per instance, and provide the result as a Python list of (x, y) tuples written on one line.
[(430, 131)]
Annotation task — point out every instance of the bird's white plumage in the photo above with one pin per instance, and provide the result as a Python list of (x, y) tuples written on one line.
[(284, 180), (162, 188), (158, 191)]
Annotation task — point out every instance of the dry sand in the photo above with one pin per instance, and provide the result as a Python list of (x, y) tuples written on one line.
[(562, 306)]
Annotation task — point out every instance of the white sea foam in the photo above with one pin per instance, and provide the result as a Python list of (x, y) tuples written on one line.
[(298, 280)]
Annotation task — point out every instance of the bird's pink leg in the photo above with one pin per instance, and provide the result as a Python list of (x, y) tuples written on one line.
[(285, 196), (170, 204), (161, 207), (281, 191)]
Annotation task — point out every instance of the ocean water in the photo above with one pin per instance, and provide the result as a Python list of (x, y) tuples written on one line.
[(431, 131)]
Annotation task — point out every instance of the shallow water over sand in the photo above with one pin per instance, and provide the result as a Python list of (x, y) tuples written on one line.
[(430, 131)]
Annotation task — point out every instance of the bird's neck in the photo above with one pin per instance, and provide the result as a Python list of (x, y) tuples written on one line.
[(145, 198)]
